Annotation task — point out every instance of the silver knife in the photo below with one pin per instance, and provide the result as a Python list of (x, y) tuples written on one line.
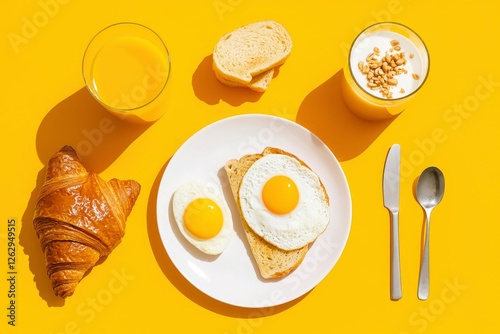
[(391, 202)]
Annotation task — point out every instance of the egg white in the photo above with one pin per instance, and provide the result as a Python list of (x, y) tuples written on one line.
[(303, 224), (187, 193)]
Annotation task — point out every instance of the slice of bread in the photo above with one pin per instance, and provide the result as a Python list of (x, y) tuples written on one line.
[(272, 261), (259, 83), (248, 51)]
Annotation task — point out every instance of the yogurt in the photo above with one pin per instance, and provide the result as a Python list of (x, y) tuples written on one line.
[(415, 66), (386, 91)]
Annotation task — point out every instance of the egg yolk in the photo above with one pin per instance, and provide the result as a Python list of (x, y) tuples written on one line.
[(280, 194), (203, 218)]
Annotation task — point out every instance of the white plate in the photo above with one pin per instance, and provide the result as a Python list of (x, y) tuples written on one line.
[(231, 277)]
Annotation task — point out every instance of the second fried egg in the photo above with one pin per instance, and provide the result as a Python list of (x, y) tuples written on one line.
[(203, 216)]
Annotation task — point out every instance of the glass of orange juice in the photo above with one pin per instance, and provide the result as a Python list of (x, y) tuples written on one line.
[(126, 67), (387, 65)]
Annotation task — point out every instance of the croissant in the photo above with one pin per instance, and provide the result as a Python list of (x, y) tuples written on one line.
[(79, 218)]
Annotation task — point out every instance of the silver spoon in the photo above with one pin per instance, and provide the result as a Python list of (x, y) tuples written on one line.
[(430, 190)]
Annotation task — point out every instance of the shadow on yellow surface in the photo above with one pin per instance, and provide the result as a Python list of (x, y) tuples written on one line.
[(29, 241), (31, 246), (182, 284), (98, 137), (324, 112), (80, 121), (208, 89)]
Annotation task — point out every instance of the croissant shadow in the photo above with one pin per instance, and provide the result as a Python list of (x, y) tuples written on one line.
[(28, 239), (99, 138), (181, 283), (207, 88), (31, 246)]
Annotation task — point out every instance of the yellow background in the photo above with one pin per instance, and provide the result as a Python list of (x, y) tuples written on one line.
[(453, 124)]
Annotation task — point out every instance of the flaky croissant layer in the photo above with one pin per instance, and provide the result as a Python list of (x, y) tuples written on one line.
[(79, 218)]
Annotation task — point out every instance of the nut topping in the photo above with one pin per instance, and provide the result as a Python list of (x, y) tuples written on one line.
[(380, 72)]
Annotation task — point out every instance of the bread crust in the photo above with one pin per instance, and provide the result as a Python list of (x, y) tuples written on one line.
[(259, 83), (247, 56), (271, 261)]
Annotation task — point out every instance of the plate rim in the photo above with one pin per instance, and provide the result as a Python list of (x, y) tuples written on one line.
[(256, 118)]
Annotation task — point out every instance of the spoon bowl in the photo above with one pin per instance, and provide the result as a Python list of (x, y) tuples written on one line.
[(430, 191), (430, 187)]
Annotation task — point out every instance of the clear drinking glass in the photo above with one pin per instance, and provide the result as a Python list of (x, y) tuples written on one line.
[(126, 67), (384, 42)]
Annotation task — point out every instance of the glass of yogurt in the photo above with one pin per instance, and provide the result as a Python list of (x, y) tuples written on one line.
[(387, 65)]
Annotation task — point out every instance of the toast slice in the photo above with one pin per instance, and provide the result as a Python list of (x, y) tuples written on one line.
[(248, 51), (272, 261)]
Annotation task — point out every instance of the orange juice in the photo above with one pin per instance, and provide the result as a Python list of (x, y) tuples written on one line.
[(126, 67), (129, 72)]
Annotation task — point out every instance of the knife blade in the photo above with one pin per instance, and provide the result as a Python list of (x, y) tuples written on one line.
[(391, 202)]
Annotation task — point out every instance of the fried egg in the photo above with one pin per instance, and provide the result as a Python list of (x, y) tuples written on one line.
[(203, 216), (284, 202)]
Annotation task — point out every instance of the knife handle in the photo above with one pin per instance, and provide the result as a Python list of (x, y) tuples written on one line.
[(396, 292)]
